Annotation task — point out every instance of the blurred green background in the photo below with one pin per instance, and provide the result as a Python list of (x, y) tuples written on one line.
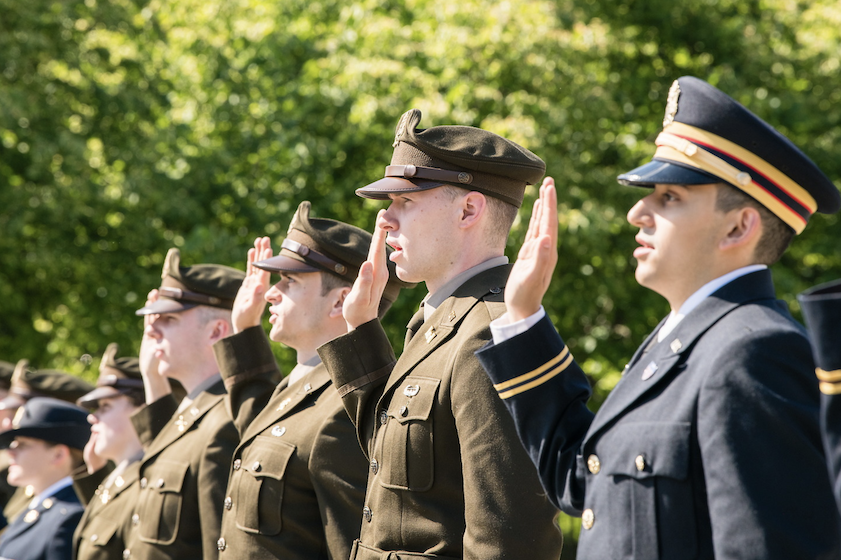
[(129, 127)]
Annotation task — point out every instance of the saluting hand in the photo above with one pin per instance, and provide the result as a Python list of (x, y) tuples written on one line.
[(249, 304), (363, 301), (93, 462), (154, 383), (537, 258)]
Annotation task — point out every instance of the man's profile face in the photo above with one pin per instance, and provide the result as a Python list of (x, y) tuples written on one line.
[(297, 308), (679, 231), (180, 340), (422, 230)]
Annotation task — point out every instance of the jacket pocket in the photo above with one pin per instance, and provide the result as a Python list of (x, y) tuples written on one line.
[(650, 461), (406, 452), (259, 492), (160, 501), (98, 532)]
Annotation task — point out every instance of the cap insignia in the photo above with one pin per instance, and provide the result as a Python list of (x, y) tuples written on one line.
[(18, 417), (401, 128), (671, 104)]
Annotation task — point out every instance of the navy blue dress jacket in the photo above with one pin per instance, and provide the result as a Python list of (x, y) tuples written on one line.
[(46, 532)]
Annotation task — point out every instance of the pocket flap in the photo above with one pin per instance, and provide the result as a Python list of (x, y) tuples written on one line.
[(100, 529), (267, 457), (413, 399), (646, 449), (168, 476)]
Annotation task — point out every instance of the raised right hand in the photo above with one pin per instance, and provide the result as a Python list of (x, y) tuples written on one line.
[(249, 304)]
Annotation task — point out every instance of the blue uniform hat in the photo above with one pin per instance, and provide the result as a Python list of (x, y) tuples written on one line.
[(822, 310), (708, 137), (51, 420)]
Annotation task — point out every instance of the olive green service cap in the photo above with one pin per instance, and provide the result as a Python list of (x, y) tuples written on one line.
[(708, 137), (185, 287), (117, 376), (321, 244), (28, 383), (463, 156)]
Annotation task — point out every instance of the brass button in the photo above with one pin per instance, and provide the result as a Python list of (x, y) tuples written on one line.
[(143, 482), (135, 519), (94, 538), (228, 503), (375, 466), (588, 518), (383, 417), (404, 411), (640, 463), (256, 467), (161, 483), (593, 464), (126, 554), (237, 464), (220, 544), (367, 514)]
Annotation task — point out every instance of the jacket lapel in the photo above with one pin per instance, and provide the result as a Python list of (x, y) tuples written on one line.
[(288, 401), (446, 319), (648, 370), (183, 421)]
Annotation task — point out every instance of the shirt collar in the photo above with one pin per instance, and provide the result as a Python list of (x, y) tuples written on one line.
[(300, 370), (701, 294), (55, 488), (432, 301)]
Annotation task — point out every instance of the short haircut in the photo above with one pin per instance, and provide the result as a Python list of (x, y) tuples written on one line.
[(330, 282), (501, 215), (210, 313), (776, 234)]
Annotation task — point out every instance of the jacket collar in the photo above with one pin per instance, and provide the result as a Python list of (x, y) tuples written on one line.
[(648, 369)]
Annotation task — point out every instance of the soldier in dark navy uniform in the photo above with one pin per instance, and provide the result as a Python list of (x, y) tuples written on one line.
[(298, 477), (708, 447), (188, 444), (822, 311), (45, 443)]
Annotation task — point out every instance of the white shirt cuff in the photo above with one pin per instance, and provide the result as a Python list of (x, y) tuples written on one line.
[(502, 329)]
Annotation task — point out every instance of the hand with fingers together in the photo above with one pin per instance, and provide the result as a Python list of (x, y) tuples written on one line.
[(154, 383), (537, 258), (363, 301), (249, 304)]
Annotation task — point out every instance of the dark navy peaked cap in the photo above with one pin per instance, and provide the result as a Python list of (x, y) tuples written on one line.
[(50, 420), (822, 311), (708, 137)]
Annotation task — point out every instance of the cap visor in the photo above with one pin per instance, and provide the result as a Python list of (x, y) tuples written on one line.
[(70, 435), (282, 263), (165, 305), (90, 399), (666, 173), (380, 190)]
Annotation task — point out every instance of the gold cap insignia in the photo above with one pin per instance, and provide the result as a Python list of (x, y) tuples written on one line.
[(671, 104), (18, 417)]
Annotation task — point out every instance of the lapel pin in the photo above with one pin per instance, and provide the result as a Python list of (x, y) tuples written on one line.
[(675, 345), (284, 403), (278, 431), (649, 370), (430, 335), (31, 516)]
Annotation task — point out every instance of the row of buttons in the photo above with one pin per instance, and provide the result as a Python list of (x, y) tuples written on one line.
[(594, 465)]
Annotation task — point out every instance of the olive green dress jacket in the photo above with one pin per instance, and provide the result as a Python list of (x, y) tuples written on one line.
[(109, 514), (182, 478), (297, 480), (448, 477)]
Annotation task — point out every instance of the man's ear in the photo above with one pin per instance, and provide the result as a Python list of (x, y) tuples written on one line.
[(338, 295), (220, 329), (473, 207), (744, 228)]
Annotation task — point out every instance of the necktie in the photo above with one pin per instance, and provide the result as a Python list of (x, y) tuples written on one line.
[(414, 325)]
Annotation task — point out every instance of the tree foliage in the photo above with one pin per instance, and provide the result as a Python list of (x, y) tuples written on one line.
[(131, 126)]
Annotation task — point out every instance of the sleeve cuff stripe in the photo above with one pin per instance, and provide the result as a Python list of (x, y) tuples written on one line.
[(539, 381), (533, 373), (830, 388), (833, 376)]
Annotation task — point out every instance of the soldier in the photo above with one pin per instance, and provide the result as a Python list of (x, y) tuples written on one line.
[(27, 383), (110, 495), (822, 311), (185, 468), (298, 477), (447, 478), (708, 447), (45, 444)]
